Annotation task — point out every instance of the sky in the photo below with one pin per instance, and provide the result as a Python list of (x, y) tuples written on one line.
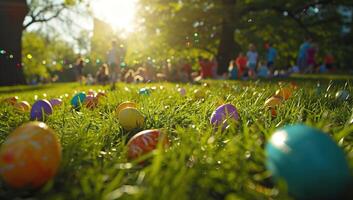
[(120, 14)]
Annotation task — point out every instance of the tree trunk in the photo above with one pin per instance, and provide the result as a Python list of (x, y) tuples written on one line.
[(227, 47), (12, 14)]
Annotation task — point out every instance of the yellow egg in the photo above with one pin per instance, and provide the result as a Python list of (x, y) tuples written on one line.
[(273, 101), (124, 105), (131, 118), (199, 94), (30, 156)]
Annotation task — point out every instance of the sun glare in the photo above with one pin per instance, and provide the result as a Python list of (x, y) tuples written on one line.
[(120, 14)]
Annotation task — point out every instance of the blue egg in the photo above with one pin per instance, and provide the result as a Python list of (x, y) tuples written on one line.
[(309, 161), (342, 95), (144, 91), (78, 99)]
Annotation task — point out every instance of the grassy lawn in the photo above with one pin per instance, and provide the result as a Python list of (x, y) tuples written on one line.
[(200, 163)]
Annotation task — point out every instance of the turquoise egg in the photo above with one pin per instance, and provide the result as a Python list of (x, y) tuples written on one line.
[(144, 91), (309, 161), (78, 99)]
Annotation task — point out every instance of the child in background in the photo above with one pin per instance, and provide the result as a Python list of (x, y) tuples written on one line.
[(206, 68), (233, 71), (252, 56), (102, 75), (328, 61), (263, 71), (241, 62)]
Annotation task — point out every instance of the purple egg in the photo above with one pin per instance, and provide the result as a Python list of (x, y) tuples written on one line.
[(223, 115), (56, 102), (40, 109)]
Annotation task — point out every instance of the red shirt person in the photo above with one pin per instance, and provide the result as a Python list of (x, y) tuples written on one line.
[(241, 62), (206, 68)]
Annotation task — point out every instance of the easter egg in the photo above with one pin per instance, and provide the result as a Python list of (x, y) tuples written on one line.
[(199, 94), (342, 95), (78, 99), (10, 100), (23, 106), (56, 102), (101, 94), (124, 105), (30, 156), (145, 142), (223, 115), (144, 91), (273, 102), (182, 91), (91, 92), (285, 93), (40, 109), (309, 161), (130, 118), (91, 102)]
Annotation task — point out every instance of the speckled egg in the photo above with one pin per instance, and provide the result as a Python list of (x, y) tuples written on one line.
[(127, 104), (131, 118), (30, 156), (145, 142), (309, 161), (22, 106), (78, 99), (224, 115), (41, 109)]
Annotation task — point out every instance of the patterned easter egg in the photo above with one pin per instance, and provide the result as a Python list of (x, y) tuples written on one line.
[(10, 100), (285, 93), (56, 102), (145, 142), (23, 106), (30, 156), (91, 102), (309, 161), (124, 105), (130, 118), (78, 99), (224, 115), (41, 109)]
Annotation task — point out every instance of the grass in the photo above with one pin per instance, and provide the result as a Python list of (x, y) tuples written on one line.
[(200, 164)]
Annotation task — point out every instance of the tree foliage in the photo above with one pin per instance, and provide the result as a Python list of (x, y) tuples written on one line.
[(215, 27)]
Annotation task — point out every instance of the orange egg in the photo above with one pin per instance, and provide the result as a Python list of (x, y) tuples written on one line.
[(10, 100), (30, 156), (284, 92), (124, 105), (23, 106), (145, 142)]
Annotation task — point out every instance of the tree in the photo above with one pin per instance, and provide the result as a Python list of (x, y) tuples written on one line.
[(12, 16), (224, 27)]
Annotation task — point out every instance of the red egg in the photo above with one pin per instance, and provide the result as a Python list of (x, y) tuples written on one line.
[(91, 102), (145, 142)]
